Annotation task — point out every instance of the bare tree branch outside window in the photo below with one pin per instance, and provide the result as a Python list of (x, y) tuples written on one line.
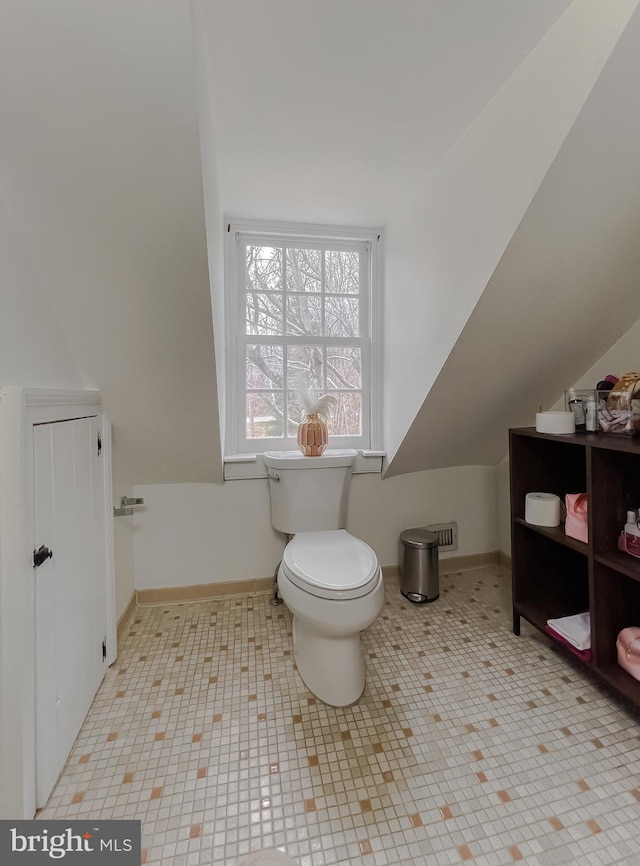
[(309, 295)]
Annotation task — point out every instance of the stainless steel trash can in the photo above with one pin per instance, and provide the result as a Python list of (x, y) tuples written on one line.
[(420, 573)]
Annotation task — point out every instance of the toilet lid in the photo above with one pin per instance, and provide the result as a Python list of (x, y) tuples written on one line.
[(330, 564)]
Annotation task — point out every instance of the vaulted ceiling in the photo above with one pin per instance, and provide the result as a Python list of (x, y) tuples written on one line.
[(100, 177), (566, 287), (446, 123), (346, 111), (336, 111)]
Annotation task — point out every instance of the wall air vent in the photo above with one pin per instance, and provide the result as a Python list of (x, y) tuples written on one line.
[(447, 535)]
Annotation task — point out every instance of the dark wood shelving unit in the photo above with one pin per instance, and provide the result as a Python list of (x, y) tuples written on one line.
[(554, 575)]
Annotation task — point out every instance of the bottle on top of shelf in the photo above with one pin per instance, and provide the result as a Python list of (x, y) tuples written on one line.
[(630, 535)]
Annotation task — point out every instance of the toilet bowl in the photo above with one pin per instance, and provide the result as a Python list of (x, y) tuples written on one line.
[(330, 580), (332, 584)]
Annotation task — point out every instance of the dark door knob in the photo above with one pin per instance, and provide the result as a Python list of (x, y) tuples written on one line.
[(41, 555)]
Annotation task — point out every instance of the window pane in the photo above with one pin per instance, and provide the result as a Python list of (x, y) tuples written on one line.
[(264, 367), (295, 413), (264, 415), (300, 316), (264, 313), (344, 367), (304, 315), (342, 272), (342, 317), (348, 415), (264, 268), (304, 271), (305, 368)]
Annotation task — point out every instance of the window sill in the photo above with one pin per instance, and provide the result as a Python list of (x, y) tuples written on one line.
[(239, 467)]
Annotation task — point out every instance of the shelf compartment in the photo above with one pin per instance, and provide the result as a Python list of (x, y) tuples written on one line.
[(555, 576), (552, 577), (621, 562), (616, 489), (548, 464), (557, 534), (532, 613), (616, 605), (538, 618)]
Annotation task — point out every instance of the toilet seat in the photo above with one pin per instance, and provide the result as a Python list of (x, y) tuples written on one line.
[(331, 564)]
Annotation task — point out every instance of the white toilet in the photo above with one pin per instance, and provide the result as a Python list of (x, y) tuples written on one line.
[(330, 580)]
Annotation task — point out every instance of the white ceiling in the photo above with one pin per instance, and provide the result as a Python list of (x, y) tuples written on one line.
[(348, 111), (565, 289), (333, 111), (100, 173)]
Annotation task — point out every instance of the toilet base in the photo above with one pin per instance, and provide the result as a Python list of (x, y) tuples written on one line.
[(326, 638), (331, 667)]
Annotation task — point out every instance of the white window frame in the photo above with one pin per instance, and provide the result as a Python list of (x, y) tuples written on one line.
[(239, 230)]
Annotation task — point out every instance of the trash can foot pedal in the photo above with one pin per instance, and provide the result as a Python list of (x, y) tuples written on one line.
[(417, 598)]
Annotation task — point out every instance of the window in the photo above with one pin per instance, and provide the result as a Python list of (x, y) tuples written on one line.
[(301, 304)]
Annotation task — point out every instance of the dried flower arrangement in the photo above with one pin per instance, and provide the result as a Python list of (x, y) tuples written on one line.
[(312, 431)]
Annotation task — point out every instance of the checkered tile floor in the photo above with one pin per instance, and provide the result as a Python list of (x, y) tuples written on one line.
[(470, 745)]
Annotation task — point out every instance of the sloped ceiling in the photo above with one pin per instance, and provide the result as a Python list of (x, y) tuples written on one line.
[(444, 245), (323, 112), (334, 111), (364, 113), (100, 166), (566, 288)]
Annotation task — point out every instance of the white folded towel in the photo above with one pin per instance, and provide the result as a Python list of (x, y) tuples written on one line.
[(575, 629)]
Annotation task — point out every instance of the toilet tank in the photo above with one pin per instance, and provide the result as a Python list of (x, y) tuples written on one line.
[(309, 494)]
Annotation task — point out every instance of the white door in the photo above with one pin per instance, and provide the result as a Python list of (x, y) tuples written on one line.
[(71, 587)]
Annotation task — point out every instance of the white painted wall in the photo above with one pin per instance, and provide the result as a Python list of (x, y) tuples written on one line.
[(442, 248), (380, 509), (212, 204), (209, 533), (34, 352), (103, 255), (622, 357), (33, 349), (124, 540), (101, 168)]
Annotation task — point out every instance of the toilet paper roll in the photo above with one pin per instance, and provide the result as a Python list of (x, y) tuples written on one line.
[(542, 509), (555, 422)]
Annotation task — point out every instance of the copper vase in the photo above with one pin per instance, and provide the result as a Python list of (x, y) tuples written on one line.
[(312, 435)]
